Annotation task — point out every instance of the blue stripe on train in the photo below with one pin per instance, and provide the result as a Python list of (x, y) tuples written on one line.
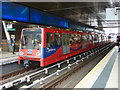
[(76, 49), (46, 52)]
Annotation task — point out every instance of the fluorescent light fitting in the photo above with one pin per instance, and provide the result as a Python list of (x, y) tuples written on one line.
[(14, 21)]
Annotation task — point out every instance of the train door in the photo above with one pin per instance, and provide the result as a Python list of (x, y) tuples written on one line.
[(90, 40), (65, 43), (84, 40)]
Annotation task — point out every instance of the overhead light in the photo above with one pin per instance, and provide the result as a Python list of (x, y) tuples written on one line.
[(14, 21), (111, 3)]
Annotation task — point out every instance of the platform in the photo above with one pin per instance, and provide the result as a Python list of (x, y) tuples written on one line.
[(6, 58), (104, 74)]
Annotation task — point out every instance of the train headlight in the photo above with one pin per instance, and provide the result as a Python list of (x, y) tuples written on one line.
[(21, 53), (38, 54)]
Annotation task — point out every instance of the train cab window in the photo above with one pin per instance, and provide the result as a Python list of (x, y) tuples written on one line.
[(37, 41), (57, 40), (49, 40), (31, 39)]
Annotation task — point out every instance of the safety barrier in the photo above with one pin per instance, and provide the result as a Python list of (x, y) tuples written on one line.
[(81, 57)]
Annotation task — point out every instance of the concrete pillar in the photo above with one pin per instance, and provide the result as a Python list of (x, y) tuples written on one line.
[(7, 35), (0, 31), (0, 26), (0, 36), (118, 11)]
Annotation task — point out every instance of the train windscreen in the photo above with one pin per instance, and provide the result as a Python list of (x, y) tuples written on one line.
[(31, 39)]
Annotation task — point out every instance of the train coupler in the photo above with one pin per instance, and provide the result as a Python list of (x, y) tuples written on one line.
[(26, 63)]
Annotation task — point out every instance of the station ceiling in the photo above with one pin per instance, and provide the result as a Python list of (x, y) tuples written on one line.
[(85, 12)]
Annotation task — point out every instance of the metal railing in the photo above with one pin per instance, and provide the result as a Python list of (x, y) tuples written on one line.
[(28, 78)]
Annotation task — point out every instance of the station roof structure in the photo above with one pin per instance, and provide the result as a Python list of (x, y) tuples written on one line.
[(91, 13)]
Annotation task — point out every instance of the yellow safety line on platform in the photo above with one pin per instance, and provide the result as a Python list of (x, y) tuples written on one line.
[(7, 59), (92, 71)]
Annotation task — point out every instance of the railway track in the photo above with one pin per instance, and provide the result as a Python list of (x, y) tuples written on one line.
[(16, 74), (35, 74), (58, 80), (47, 83)]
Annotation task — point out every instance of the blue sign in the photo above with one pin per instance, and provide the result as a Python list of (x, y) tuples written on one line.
[(14, 11), (39, 17), (11, 29)]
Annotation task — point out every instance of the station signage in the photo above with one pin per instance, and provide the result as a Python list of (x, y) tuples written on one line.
[(11, 29)]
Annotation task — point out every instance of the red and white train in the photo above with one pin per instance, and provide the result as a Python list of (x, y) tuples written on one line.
[(47, 45)]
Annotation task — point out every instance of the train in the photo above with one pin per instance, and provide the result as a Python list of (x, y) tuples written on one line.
[(48, 45)]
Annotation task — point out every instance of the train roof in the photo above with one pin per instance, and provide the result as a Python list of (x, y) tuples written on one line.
[(88, 30)]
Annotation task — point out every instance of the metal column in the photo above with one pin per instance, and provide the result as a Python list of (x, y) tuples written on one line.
[(7, 35)]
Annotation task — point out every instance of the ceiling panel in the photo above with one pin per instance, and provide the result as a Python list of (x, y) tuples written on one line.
[(86, 12)]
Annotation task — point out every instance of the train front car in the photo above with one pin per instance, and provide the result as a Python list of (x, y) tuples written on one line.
[(30, 46)]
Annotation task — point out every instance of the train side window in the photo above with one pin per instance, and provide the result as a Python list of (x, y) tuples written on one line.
[(100, 38), (75, 38), (84, 40), (90, 37), (71, 39), (49, 40), (78, 38), (57, 40), (96, 38), (84, 37)]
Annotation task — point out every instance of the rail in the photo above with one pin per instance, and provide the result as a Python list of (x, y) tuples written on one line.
[(77, 59)]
